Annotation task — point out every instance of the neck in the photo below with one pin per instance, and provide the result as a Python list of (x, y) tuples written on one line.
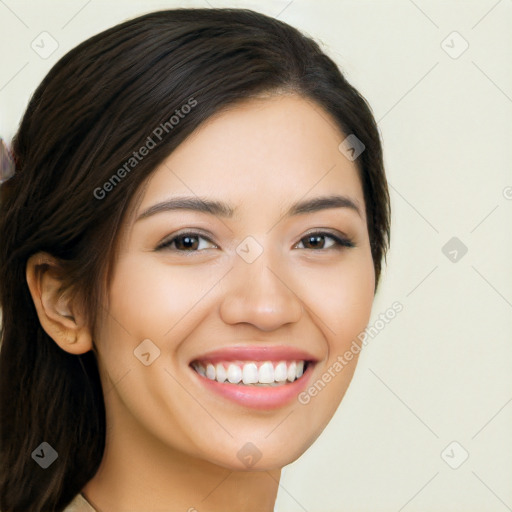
[(138, 472)]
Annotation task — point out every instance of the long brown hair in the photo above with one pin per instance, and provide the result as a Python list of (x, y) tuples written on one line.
[(98, 104)]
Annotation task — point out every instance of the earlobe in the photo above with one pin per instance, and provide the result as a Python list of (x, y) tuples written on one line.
[(58, 315)]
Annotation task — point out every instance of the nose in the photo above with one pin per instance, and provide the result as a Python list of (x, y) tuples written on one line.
[(260, 293)]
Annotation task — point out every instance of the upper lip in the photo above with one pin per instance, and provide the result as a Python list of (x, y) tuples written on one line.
[(257, 353)]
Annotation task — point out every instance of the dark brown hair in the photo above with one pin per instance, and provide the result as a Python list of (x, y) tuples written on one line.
[(97, 105)]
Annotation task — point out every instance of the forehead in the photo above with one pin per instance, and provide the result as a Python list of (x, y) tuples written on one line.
[(268, 151)]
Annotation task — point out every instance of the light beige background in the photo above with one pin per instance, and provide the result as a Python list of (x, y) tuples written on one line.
[(441, 370)]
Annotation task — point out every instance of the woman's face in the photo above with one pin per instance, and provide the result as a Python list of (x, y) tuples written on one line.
[(247, 288)]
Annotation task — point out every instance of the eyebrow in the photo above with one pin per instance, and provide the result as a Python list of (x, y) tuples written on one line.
[(220, 209)]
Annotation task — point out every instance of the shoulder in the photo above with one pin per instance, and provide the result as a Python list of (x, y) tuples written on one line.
[(79, 504)]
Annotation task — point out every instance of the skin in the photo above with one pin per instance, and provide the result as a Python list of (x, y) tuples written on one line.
[(171, 444)]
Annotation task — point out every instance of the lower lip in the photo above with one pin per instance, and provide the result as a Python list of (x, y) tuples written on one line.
[(259, 397)]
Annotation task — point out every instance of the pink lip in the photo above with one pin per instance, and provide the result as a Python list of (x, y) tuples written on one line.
[(255, 397), (269, 353)]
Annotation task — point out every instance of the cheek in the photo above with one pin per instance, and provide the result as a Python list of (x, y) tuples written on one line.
[(355, 302), (343, 299), (150, 299), (342, 308)]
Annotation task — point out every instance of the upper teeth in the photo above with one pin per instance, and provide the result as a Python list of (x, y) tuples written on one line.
[(250, 373)]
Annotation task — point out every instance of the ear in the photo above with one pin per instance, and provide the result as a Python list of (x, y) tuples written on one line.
[(62, 320)]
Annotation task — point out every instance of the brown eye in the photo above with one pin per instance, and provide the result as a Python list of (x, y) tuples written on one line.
[(185, 242), (317, 240)]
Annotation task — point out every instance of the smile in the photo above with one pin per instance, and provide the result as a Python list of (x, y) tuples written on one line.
[(251, 373), (256, 377)]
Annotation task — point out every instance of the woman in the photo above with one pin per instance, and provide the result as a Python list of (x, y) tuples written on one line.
[(191, 240)]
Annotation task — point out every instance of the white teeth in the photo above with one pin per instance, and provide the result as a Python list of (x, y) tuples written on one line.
[(268, 373), (250, 373), (280, 373), (210, 372), (234, 374), (292, 371), (220, 372), (300, 369)]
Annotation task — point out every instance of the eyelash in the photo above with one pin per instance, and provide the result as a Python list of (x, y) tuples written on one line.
[(339, 242)]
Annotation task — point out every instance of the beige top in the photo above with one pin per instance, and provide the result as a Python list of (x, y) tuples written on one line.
[(79, 504)]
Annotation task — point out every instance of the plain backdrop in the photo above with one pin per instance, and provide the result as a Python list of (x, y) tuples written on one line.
[(426, 423)]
